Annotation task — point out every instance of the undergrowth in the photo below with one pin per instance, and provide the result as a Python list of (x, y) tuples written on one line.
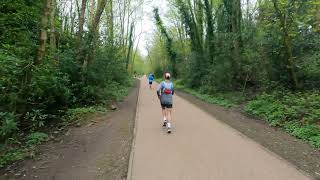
[(19, 146), (297, 113), (17, 149), (227, 99)]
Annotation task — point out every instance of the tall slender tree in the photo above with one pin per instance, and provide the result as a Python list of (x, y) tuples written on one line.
[(43, 32), (169, 42)]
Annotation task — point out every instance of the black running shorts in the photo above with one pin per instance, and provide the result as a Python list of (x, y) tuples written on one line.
[(166, 106), (150, 82)]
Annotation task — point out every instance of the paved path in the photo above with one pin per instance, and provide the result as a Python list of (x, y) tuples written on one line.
[(200, 147)]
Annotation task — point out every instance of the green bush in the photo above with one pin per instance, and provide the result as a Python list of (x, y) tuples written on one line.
[(36, 138), (286, 106), (8, 125), (7, 157), (267, 107), (12, 74), (315, 141), (298, 113), (79, 113), (212, 98), (226, 99)]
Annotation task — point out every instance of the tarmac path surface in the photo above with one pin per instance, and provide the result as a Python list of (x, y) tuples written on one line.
[(200, 147)]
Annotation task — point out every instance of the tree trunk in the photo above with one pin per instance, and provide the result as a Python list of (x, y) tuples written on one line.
[(52, 26), (168, 42), (62, 16), (194, 29), (236, 27), (127, 25), (209, 39), (130, 46), (43, 32), (233, 8), (199, 19), (97, 16), (93, 33), (135, 54), (110, 23), (81, 20), (287, 44), (92, 10), (122, 23), (72, 23), (79, 43), (317, 18)]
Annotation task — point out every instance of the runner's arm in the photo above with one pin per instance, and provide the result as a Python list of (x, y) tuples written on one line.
[(172, 89), (159, 90)]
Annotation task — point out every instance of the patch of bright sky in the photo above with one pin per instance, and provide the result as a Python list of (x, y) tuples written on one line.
[(145, 28)]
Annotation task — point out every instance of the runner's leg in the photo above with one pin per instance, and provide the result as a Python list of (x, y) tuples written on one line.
[(164, 115), (169, 118)]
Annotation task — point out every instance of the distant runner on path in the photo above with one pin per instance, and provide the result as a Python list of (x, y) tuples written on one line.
[(150, 78), (165, 92)]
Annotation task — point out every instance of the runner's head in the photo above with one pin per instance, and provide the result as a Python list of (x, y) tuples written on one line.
[(167, 76)]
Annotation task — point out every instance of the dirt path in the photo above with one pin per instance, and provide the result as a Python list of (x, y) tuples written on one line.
[(200, 147), (98, 151)]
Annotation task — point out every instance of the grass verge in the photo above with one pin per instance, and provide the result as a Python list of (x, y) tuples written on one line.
[(296, 113)]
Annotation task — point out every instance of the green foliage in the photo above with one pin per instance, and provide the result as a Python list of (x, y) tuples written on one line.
[(297, 113), (11, 80), (140, 66), (36, 138), (241, 53), (169, 42), (220, 99), (309, 133), (36, 95), (19, 25), (157, 52), (10, 156), (8, 125), (80, 113), (287, 106), (315, 141), (16, 151), (268, 108), (211, 98)]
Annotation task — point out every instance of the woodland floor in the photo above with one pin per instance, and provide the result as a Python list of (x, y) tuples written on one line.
[(100, 149)]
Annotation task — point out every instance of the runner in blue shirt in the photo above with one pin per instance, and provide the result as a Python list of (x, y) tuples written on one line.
[(150, 78), (165, 92)]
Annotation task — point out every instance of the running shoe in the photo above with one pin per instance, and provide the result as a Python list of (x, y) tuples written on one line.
[(169, 130), (164, 124)]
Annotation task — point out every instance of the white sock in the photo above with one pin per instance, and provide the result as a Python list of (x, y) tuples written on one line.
[(164, 119), (169, 125)]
